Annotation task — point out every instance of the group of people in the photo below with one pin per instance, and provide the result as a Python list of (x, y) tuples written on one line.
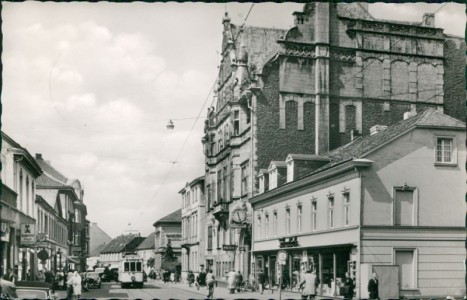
[(201, 280), (234, 281)]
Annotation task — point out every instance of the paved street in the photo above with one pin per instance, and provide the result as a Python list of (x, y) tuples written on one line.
[(158, 290)]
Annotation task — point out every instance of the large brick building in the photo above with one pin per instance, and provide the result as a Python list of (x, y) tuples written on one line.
[(309, 90)]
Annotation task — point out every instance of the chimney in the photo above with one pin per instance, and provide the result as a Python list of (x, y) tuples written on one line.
[(39, 156), (428, 20), (377, 129), (409, 114)]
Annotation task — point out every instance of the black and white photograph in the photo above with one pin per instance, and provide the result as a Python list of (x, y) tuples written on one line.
[(233, 150)]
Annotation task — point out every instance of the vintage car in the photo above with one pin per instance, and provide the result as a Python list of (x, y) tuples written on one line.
[(8, 289), (33, 290), (92, 280)]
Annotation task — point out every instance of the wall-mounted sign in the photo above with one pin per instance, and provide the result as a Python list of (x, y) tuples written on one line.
[(28, 234), (282, 256), (229, 247), (288, 242), (41, 237)]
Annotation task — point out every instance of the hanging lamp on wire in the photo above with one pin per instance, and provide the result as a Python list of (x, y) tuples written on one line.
[(170, 125)]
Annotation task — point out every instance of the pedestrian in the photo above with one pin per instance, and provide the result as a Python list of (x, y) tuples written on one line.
[(60, 277), (191, 278), (261, 281), (239, 280), (75, 282), (231, 281), (308, 285), (172, 277), (10, 276), (69, 286), (373, 287), (210, 280), (348, 287), (201, 279), (295, 279)]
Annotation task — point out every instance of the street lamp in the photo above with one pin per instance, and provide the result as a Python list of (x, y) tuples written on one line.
[(170, 125)]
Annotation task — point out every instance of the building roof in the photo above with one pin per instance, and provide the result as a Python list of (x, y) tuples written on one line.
[(97, 250), (278, 164), (123, 243), (359, 147), (148, 243), (17, 149), (47, 181), (47, 167), (298, 156), (175, 217), (97, 237)]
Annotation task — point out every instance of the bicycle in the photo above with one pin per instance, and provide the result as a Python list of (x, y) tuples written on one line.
[(249, 286)]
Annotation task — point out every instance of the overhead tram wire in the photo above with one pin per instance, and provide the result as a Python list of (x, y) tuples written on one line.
[(199, 114)]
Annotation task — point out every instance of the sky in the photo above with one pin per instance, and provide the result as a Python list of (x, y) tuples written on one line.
[(91, 86)]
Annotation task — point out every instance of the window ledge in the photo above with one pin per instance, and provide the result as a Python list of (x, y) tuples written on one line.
[(442, 164)]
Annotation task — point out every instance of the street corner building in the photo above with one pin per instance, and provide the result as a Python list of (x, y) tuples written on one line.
[(43, 215), (386, 203), (167, 242), (303, 97)]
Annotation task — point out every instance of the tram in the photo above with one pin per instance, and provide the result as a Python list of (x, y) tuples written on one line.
[(130, 271)]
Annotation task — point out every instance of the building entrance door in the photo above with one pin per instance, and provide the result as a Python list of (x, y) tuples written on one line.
[(388, 281)]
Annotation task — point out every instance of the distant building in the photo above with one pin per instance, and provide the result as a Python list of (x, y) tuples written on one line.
[(147, 251), (18, 208), (168, 230), (389, 203), (193, 226), (98, 239), (111, 255)]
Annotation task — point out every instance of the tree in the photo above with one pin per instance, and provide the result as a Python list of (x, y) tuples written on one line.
[(151, 262), (169, 254)]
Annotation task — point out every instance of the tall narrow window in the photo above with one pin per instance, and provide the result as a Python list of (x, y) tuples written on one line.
[(225, 185), (346, 209), (27, 195), (331, 211), (287, 220), (314, 211), (220, 189), (299, 218), (266, 225), (258, 228), (404, 208), (20, 190), (444, 150), (245, 178), (209, 238), (220, 139), (236, 122), (274, 224)]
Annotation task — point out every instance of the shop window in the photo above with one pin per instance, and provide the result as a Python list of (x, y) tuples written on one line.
[(404, 207), (299, 218), (405, 259), (346, 209), (445, 151), (314, 214), (287, 220), (331, 211)]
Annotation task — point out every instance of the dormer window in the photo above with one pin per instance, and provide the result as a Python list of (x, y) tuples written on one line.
[(273, 179), (290, 171)]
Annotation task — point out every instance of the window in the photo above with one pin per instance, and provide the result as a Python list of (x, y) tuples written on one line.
[(245, 178), (444, 150), (209, 238), (290, 171), (208, 194), (27, 194), (220, 188), (20, 190), (212, 144), (405, 259), (287, 220), (220, 137), (273, 179), (299, 219), (225, 185), (314, 210), (331, 211), (346, 209), (266, 225), (236, 122), (274, 223), (258, 231), (404, 207)]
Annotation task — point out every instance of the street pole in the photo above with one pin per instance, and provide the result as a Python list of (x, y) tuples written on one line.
[(280, 282)]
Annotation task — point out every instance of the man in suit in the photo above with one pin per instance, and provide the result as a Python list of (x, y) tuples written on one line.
[(373, 287)]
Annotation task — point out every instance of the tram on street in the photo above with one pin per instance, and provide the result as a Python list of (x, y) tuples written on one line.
[(130, 271)]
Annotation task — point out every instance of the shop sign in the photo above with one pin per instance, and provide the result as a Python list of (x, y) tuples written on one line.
[(282, 256), (288, 242), (41, 237), (229, 247), (28, 234), (43, 255)]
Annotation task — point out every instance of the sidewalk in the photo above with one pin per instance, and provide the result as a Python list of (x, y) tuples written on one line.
[(221, 292)]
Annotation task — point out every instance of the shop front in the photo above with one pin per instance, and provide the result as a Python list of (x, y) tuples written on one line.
[(330, 264)]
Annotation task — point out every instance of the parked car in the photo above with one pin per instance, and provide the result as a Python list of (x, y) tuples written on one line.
[(33, 290), (8, 289), (92, 280)]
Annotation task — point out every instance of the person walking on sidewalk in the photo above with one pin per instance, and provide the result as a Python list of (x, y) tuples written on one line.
[(308, 285), (210, 282), (261, 281), (231, 281)]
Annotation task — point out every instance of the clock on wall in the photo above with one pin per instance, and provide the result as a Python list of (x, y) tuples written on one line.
[(238, 215)]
